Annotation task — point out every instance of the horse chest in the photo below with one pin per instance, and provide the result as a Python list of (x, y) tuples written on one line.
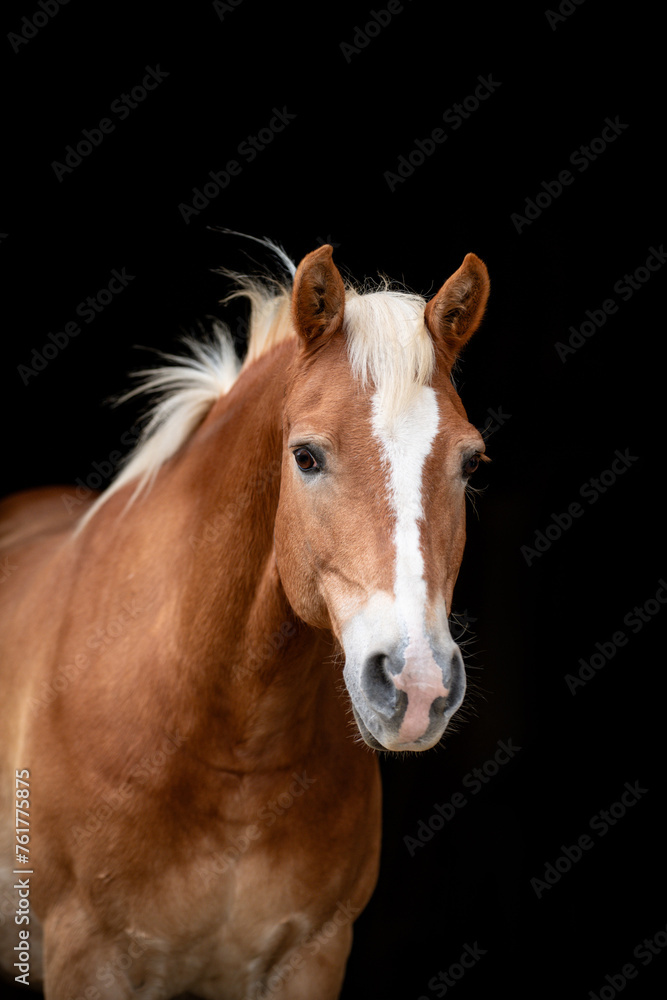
[(257, 930), (265, 894), (259, 912)]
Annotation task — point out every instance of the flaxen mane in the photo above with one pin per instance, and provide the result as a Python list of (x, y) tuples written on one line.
[(388, 346)]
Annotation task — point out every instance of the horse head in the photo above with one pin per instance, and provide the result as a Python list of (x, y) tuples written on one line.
[(377, 452)]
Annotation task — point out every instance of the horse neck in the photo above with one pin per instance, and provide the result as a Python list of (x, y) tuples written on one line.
[(244, 667)]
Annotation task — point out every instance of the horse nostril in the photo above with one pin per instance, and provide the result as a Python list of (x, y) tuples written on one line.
[(457, 680), (439, 707), (378, 686)]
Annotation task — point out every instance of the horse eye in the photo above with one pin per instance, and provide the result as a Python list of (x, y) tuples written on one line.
[(471, 465), (305, 461)]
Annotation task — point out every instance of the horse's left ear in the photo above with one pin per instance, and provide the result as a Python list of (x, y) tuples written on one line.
[(318, 296), (453, 315)]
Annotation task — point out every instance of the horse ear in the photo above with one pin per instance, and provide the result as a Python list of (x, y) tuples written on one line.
[(453, 315), (318, 296)]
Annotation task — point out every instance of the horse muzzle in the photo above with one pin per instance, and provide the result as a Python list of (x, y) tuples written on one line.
[(404, 696)]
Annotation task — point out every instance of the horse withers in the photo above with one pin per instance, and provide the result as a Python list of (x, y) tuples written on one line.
[(195, 666)]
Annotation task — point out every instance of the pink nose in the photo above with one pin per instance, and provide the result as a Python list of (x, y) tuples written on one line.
[(421, 679), (411, 692)]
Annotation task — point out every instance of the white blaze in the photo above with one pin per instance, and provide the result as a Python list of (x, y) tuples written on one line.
[(406, 439)]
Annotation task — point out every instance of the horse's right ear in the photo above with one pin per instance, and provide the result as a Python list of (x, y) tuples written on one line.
[(318, 296), (453, 315)]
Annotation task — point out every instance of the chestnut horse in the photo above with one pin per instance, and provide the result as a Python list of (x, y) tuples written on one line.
[(196, 662)]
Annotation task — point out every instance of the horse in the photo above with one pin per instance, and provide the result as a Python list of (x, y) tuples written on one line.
[(202, 663)]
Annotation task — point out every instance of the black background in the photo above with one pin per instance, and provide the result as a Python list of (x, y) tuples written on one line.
[(322, 180)]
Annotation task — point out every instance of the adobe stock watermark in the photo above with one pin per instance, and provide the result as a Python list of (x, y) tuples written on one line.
[(495, 419), (581, 158), (458, 624), (600, 824), (565, 10), (321, 240), (443, 981), (454, 117), (344, 915), (102, 473), (246, 151), (218, 525), (474, 781), (219, 862), (121, 107), (88, 310), (47, 10), (625, 288), (99, 638), (222, 7), (113, 973), (265, 649), (634, 620), (132, 784), (645, 952), (590, 491), (7, 567), (364, 34)]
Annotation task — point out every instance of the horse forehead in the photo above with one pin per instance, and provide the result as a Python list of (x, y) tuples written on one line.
[(433, 421), (330, 399), (326, 392)]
